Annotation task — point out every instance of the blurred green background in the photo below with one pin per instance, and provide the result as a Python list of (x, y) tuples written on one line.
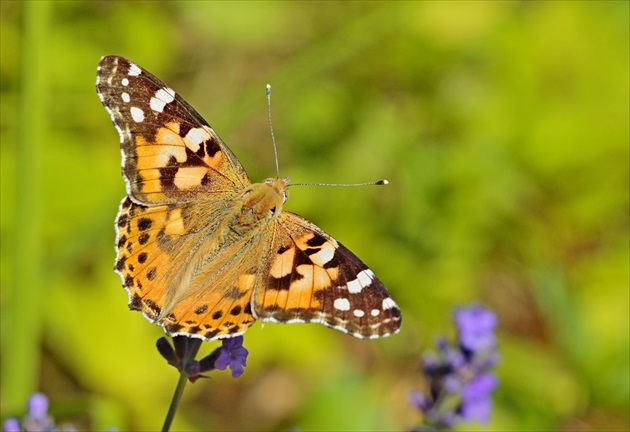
[(503, 130)]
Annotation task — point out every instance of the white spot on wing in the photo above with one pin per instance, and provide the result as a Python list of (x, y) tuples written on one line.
[(166, 94), (125, 82), (137, 114), (195, 137), (134, 70), (342, 304), (161, 98), (125, 97), (354, 286), (375, 312), (389, 303), (358, 313), (157, 104), (324, 256), (363, 279)]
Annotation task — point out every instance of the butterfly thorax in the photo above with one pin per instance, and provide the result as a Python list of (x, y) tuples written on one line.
[(260, 203), (210, 262)]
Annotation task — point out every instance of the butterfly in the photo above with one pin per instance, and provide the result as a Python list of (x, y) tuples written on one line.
[(204, 252)]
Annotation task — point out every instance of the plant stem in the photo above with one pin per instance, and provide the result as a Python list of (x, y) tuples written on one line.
[(22, 332), (181, 384), (179, 391)]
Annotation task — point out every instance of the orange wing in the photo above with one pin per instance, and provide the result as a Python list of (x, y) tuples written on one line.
[(170, 153), (175, 278), (310, 277)]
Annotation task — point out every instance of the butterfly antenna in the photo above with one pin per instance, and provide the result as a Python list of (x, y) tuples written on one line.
[(378, 182), (273, 139), (275, 152)]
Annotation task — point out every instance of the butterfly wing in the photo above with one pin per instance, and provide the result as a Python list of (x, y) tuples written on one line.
[(179, 261), (179, 274), (310, 277), (180, 179), (170, 153)]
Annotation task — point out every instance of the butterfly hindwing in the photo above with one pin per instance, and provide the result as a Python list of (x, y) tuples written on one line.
[(310, 277), (145, 238), (170, 153), (159, 262)]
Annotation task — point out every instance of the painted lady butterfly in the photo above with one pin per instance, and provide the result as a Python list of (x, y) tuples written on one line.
[(204, 252)]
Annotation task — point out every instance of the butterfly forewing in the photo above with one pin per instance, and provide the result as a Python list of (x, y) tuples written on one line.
[(170, 153), (202, 251)]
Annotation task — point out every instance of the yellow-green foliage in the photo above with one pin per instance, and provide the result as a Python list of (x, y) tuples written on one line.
[(501, 126)]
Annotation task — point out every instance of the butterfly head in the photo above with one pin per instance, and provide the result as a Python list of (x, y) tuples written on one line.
[(264, 200), (280, 185)]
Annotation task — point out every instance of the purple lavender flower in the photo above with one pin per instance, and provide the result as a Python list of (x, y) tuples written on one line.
[(476, 327), (11, 425), (232, 355), (182, 354), (36, 418), (459, 378), (38, 405), (476, 401)]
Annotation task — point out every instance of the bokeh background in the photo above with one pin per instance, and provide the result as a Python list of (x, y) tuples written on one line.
[(502, 128)]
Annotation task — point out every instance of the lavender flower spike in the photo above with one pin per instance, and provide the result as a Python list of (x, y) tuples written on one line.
[(37, 418), (458, 374)]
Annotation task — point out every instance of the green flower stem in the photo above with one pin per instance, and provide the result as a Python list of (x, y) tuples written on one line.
[(179, 390)]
